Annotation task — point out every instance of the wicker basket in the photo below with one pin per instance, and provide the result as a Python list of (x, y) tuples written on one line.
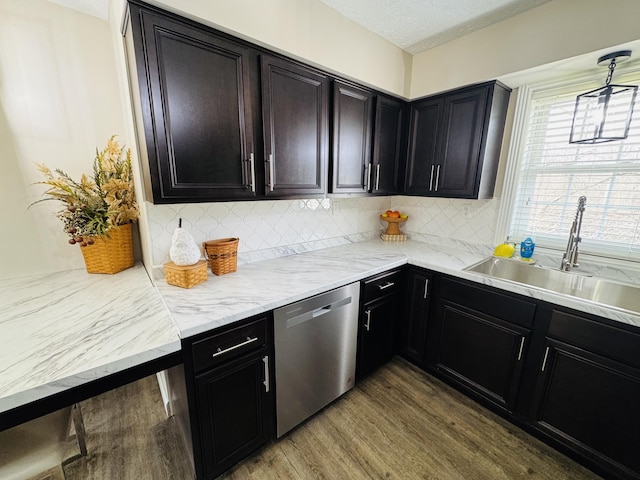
[(110, 254), (222, 255), (186, 276)]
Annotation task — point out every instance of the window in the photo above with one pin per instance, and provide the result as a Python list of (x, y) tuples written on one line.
[(551, 174)]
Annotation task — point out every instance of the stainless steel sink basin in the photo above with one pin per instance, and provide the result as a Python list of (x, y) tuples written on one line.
[(598, 290)]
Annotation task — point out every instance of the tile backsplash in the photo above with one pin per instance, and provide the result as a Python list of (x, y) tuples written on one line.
[(272, 228)]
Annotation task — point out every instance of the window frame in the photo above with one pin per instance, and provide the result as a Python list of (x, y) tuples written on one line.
[(515, 157)]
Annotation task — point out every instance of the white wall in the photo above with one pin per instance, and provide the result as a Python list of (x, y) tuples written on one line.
[(555, 31), (307, 30), (59, 101), (63, 86)]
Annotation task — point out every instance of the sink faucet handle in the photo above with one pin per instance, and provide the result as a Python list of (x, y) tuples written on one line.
[(582, 202)]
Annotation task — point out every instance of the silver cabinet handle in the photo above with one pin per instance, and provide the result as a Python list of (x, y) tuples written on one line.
[(247, 342), (437, 176), (368, 324), (521, 347), (386, 285), (367, 177), (271, 175), (431, 178), (426, 288), (544, 362), (265, 359), (377, 177), (252, 170)]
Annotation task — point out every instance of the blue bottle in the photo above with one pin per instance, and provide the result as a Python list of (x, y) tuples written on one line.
[(526, 248)]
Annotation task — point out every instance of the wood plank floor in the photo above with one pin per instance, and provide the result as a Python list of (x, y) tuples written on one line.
[(399, 423), (129, 437)]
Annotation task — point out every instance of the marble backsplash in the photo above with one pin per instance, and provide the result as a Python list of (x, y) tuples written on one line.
[(274, 228)]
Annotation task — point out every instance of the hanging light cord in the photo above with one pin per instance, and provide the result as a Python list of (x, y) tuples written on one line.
[(612, 67)]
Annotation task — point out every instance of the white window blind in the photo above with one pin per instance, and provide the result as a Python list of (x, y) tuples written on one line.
[(554, 174)]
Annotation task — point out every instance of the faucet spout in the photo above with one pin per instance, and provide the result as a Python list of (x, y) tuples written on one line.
[(570, 256)]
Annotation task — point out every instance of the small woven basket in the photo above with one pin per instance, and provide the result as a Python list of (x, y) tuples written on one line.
[(222, 255), (186, 276), (110, 254)]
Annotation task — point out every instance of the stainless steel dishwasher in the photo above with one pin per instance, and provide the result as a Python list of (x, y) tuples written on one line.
[(315, 353)]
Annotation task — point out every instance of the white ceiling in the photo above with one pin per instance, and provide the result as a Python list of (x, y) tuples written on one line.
[(417, 25), (413, 25), (96, 8)]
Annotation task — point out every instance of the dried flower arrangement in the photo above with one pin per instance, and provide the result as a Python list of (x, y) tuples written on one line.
[(95, 204)]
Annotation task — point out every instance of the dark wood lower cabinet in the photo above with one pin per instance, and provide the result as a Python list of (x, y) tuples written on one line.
[(590, 404), (229, 382), (416, 316), (482, 353), (232, 411), (380, 316), (377, 334), (588, 401), (572, 379), (480, 339)]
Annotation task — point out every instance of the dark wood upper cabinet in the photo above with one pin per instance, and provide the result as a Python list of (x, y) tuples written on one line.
[(224, 119), (423, 136), (196, 109), (455, 141), (351, 141), (388, 145), (295, 115)]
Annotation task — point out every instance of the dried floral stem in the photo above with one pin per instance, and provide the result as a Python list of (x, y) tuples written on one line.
[(94, 205)]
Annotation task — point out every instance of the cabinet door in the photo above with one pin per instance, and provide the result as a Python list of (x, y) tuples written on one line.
[(295, 114), (590, 403), (233, 413), (196, 110), (414, 331), (386, 177), (424, 134), (482, 353), (352, 124), (376, 334), (457, 165)]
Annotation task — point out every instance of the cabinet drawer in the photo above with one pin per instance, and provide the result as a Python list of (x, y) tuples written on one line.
[(376, 287), (515, 310), (606, 340), (224, 346)]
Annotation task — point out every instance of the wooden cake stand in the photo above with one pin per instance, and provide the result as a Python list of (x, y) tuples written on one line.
[(393, 228)]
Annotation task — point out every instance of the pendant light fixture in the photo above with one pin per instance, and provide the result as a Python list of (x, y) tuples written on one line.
[(604, 114)]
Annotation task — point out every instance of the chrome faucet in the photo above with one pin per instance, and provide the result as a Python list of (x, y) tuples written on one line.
[(570, 256)]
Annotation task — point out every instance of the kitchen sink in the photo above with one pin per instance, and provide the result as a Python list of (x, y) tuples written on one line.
[(576, 284)]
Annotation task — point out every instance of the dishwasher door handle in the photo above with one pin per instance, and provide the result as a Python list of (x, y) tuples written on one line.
[(309, 315), (320, 311)]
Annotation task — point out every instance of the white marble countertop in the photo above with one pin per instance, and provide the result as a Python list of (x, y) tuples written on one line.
[(67, 329), (262, 286)]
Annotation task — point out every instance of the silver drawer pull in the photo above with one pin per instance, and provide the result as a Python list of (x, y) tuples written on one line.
[(253, 173), (247, 342), (386, 285), (544, 362), (367, 325), (267, 387), (521, 347)]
